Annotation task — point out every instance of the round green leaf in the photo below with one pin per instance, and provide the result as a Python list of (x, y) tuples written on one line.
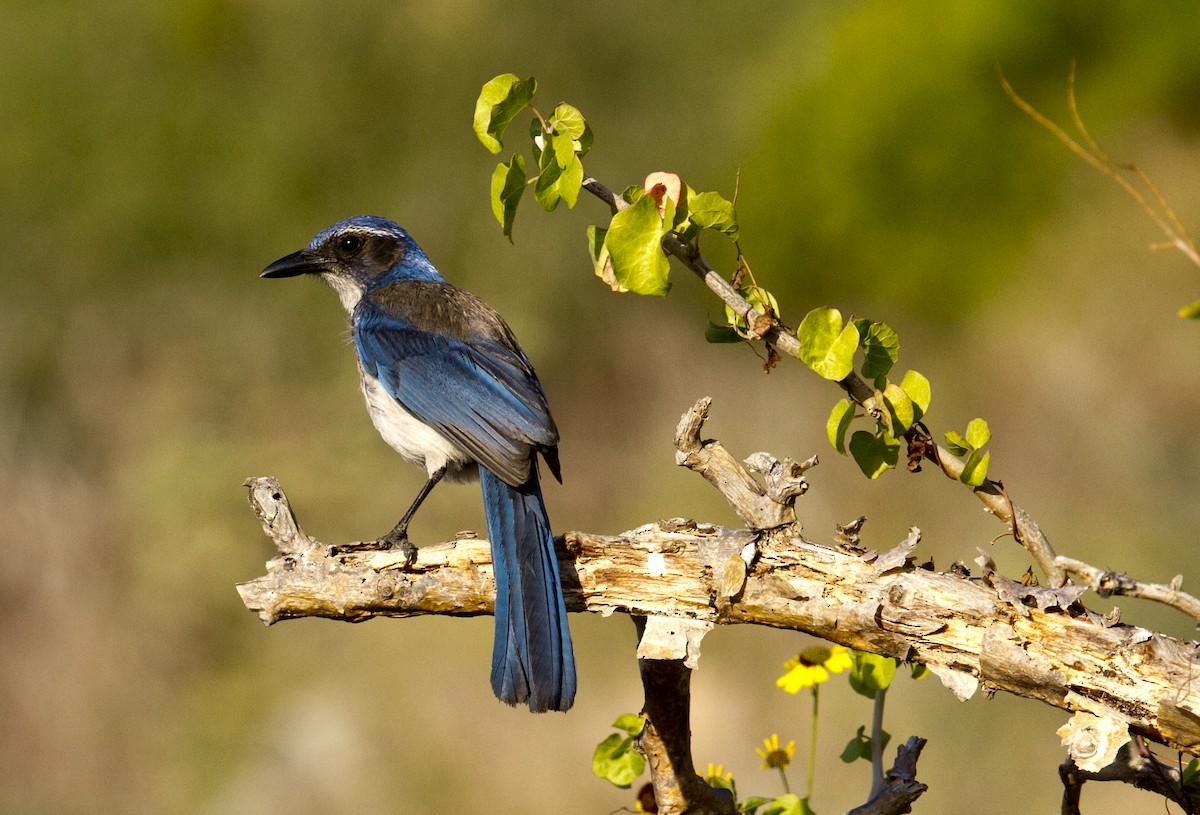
[(871, 673), (720, 333), (978, 433), (708, 210), (958, 445), (900, 407), (617, 761), (500, 100), (826, 345), (568, 120), (918, 390), (881, 349), (631, 723), (508, 185), (838, 424), (634, 243), (873, 453), (975, 470)]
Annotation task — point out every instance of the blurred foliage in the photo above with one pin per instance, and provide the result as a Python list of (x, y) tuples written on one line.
[(154, 157)]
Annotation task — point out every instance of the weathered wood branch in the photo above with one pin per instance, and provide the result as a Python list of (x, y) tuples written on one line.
[(681, 577), (1132, 765), (972, 632), (901, 787), (666, 741)]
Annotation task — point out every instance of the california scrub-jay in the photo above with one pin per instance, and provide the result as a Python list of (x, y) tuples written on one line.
[(449, 388)]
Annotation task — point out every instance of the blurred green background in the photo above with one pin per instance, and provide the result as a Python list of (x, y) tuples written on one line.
[(155, 156)]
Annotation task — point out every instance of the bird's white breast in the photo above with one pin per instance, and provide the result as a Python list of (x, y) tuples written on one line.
[(409, 436)]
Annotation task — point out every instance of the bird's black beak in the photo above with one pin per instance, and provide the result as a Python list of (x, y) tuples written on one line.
[(297, 263)]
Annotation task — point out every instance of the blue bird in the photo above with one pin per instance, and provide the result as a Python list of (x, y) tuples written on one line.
[(449, 388)]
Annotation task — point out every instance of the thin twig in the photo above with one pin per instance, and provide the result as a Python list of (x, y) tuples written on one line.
[(1163, 215)]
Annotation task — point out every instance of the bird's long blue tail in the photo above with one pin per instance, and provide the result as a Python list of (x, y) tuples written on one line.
[(532, 659)]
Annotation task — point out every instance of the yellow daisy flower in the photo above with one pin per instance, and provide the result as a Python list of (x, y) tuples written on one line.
[(716, 776), (775, 757), (812, 666)]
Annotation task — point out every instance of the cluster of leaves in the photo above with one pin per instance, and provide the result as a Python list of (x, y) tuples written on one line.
[(558, 145), (615, 759), (970, 445), (628, 255), (829, 346)]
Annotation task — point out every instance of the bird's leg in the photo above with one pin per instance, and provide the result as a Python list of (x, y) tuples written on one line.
[(398, 537)]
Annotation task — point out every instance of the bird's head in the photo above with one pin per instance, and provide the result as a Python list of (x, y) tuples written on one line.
[(357, 255)]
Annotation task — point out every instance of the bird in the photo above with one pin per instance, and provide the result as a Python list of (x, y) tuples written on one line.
[(449, 388)]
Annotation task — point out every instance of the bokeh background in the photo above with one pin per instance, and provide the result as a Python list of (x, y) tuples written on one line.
[(155, 156)]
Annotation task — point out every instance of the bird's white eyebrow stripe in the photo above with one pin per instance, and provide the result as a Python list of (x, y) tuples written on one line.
[(366, 230)]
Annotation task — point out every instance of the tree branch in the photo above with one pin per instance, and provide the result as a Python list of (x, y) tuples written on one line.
[(1134, 766), (900, 788), (990, 631)]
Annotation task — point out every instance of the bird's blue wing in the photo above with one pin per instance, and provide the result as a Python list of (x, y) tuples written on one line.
[(481, 394)]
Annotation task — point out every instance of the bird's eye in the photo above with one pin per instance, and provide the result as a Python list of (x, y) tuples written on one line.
[(350, 244)]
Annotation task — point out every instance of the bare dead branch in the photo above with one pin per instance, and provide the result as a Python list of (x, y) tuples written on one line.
[(1135, 766), (900, 787)]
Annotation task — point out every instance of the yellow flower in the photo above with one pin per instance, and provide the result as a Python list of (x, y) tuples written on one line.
[(716, 776), (812, 666), (775, 757)]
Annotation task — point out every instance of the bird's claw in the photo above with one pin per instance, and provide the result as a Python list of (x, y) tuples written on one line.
[(392, 541), (398, 541)]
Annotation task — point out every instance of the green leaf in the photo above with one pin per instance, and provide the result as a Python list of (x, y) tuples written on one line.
[(838, 424), (720, 333), (918, 390), (881, 349), (790, 804), (919, 671), (634, 243), (958, 445), (871, 673), (900, 407), (617, 761), (1191, 312), (564, 149), (584, 142), (508, 185), (975, 470), (568, 120), (751, 804), (631, 723), (709, 210), (858, 747), (558, 181), (825, 345), (601, 261), (875, 454), (978, 433), (499, 102), (1190, 777)]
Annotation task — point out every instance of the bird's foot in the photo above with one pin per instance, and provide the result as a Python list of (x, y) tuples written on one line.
[(388, 543), (397, 540)]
